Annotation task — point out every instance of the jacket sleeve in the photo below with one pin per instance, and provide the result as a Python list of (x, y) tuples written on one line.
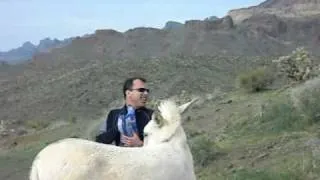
[(109, 130)]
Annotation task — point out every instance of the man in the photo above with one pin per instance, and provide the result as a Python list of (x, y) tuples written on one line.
[(136, 95)]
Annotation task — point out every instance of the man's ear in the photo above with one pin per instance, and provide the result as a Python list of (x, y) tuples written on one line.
[(127, 92), (185, 106)]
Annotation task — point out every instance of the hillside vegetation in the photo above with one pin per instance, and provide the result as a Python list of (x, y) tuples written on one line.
[(235, 132)]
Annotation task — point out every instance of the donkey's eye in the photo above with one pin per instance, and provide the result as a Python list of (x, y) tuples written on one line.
[(145, 134), (157, 118)]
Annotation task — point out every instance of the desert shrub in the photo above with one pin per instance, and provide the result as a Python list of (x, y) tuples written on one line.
[(306, 98), (285, 113), (295, 112), (310, 105), (72, 119), (297, 66), (299, 110), (281, 115), (204, 150), (244, 174), (255, 80), (37, 124), (3, 128)]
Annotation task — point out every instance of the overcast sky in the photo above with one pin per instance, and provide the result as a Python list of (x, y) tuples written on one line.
[(33, 20)]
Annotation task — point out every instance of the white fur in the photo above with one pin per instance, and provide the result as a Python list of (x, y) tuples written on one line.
[(164, 156)]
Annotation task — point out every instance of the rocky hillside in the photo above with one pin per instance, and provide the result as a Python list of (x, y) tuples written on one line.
[(170, 25), (281, 8)]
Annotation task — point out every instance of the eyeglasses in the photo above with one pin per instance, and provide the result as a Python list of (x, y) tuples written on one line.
[(142, 90)]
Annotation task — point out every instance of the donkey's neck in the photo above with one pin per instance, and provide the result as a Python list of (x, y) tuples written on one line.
[(179, 143), (179, 139)]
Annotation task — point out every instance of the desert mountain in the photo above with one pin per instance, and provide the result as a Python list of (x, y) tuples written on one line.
[(27, 50), (281, 8), (272, 27)]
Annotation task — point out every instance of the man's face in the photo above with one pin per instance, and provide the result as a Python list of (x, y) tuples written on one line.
[(138, 94)]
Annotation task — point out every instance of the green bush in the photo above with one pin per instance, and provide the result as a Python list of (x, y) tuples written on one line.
[(204, 150), (255, 80), (286, 113), (297, 66), (310, 104), (280, 116)]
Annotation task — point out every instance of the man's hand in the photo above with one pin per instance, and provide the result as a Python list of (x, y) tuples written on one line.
[(133, 141)]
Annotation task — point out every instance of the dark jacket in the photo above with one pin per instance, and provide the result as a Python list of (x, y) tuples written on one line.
[(110, 133)]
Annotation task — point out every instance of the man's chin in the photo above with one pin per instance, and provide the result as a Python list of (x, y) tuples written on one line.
[(143, 103)]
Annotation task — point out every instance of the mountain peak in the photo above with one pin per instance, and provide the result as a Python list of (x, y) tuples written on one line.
[(281, 8), (287, 3), (173, 25), (28, 45)]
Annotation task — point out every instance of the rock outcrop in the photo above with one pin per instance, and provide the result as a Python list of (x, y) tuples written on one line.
[(281, 8)]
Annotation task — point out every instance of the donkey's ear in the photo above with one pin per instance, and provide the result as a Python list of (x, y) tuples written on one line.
[(185, 106)]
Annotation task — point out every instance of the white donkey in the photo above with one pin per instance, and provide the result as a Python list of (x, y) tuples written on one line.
[(164, 156)]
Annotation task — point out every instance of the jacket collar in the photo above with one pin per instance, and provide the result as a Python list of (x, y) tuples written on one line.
[(124, 109)]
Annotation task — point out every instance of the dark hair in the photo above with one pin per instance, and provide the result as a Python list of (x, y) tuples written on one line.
[(129, 83)]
